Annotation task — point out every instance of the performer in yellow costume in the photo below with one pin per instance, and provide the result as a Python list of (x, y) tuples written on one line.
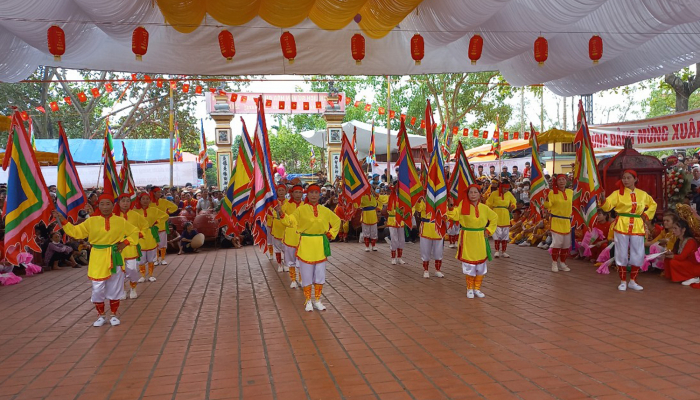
[(431, 242), (477, 222), (397, 238), (369, 204), (291, 237), (317, 226), (559, 205), (108, 235), (631, 205), (502, 202), (132, 252), (278, 229), (149, 242), (168, 207)]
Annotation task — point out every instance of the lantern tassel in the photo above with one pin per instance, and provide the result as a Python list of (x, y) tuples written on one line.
[(139, 58)]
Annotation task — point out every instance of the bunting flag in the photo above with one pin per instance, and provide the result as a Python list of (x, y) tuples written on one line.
[(462, 176), (203, 157), (428, 126), (313, 158), (409, 188), (126, 177), (177, 145), (235, 208), (264, 193), (355, 183), (110, 177), (436, 193), (538, 187), (496, 145), (372, 156), (354, 140), (70, 196), (28, 202), (586, 179)]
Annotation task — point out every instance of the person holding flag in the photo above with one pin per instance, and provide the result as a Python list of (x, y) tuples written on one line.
[(132, 252), (633, 207), (291, 237), (397, 238), (503, 203), (369, 205), (109, 235), (278, 230), (317, 226), (559, 202), (168, 207), (151, 236), (477, 222)]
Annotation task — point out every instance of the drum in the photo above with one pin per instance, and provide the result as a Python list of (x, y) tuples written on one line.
[(207, 224), (178, 222), (197, 241)]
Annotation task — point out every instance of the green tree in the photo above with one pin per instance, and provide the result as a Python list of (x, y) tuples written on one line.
[(684, 84), (292, 150)]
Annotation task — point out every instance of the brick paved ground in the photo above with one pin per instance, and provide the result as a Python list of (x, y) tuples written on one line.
[(224, 325)]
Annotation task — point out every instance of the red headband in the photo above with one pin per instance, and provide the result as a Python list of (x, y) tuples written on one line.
[(97, 212), (297, 187), (105, 196), (555, 189), (137, 202), (282, 186), (501, 186), (312, 187), (467, 202), (117, 209), (621, 185)]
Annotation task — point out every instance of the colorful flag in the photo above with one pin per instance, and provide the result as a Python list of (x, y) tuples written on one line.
[(423, 169), (313, 157), (177, 145), (111, 177), (31, 133), (203, 157), (264, 193), (355, 183), (409, 188), (428, 126), (125, 176), (372, 156), (28, 202), (436, 193), (538, 187), (70, 197), (496, 145), (354, 140), (236, 206), (462, 176), (586, 179)]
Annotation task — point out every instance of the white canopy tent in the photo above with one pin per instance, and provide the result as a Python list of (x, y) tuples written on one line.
[(642, 38), (318, 138)]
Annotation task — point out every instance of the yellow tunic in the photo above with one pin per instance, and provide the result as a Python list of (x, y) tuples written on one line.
[(93, 229), (502, 206), (154, 216), (167, 207), (472, 242), (369, 205), (427, 228), (277, 227), (291, 237), (383, 200), (137, 220), (560, 208), (630, 207), (312, 223)]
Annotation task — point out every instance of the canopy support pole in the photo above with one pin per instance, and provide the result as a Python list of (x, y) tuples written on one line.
[(388, 129), (172, 117)]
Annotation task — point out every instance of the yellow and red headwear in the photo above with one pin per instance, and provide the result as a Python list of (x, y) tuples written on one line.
[(501, 186), (297, 187), (152, 193), (313, 187), (555, 188), (619, 183), (467, 202), (98, 213), (137, 202), (117, 209), (281, 186)]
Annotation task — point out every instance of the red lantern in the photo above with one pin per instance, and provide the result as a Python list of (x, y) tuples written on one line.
[(57, 42), (289, 46), (54, 106), (228, 49), (82, 97), (541, 50), (185, 87), (198, 89), (108, 87), (476, 45), (159, 82), (357, 46), (595, 48), (139, 42), (417, 48), (68, 100)]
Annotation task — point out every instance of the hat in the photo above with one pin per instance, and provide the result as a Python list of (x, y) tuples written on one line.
[(696, 166)]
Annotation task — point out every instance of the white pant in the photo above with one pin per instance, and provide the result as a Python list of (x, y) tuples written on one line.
[(430, 248), (453, 230), (312, 273), (370, 231), (147, 256), (278, 245), (290, 255), (474, 269), (131, 269), (110, 289), (560, 241), (501, 233), (398, 239), (163, 240), (629, 250)]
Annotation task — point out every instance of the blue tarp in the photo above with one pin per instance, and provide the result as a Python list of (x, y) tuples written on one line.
[(89, 151)]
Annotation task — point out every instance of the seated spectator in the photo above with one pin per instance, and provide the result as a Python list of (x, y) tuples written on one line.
[(680, 264), (57, 253), (227, 241), (186, 239)]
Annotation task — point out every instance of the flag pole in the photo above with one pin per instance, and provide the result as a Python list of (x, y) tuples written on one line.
[(172, 117), (388, 129)]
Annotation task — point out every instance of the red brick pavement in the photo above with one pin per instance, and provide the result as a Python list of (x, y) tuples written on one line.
[(225, 325)]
